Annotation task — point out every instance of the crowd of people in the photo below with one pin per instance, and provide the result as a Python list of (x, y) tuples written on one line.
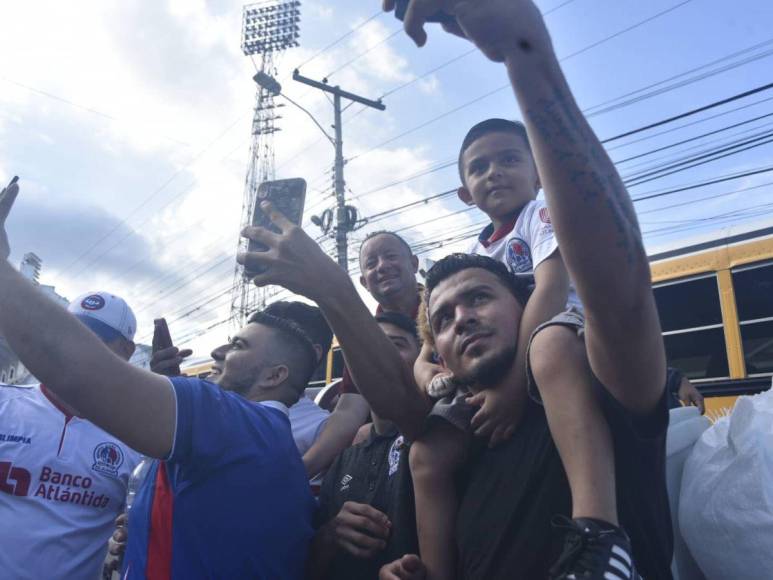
[(506, 419)]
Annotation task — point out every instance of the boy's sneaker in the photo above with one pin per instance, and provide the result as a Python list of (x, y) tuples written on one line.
[(593, 550)]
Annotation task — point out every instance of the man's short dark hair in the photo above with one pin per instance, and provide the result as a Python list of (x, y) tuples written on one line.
[(308, 317), (454, 263), (372, 235), (296, 342), (491, 126), (399, 320)]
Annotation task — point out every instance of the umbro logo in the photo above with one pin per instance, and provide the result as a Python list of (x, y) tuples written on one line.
[(345, 480)]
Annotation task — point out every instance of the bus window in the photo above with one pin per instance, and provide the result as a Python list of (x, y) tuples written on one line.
[(691, 319), (754, 298)]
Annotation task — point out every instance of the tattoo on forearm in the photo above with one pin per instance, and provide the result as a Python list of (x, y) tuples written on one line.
[(588, 167)]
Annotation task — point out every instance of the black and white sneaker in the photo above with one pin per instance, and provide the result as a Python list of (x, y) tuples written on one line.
[(593, 550)]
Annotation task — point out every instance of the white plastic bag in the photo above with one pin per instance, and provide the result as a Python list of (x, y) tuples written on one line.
[(726, 501)]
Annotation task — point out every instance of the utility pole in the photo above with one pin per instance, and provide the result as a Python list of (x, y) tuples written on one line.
[(346, 216)]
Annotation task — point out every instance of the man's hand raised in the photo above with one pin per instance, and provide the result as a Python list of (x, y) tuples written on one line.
[(293, 260), (7, 197), (165, 360), (499, 28)]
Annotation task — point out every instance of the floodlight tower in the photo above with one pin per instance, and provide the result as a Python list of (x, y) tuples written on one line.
[(268, 29)]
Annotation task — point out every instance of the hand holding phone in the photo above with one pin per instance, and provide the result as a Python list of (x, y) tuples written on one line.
[(165, 356), (288, 197)]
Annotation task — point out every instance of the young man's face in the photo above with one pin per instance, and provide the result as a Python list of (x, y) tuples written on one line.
[(407, 344), (500, 176), (218, 358), (388, 268), (474, 321), (244, 359)]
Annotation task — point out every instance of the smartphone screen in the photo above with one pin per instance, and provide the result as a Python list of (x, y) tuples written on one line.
[(288, 196)]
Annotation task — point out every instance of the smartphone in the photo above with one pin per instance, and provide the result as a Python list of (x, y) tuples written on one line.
[(401, 7), (161, 340), (288, 197)]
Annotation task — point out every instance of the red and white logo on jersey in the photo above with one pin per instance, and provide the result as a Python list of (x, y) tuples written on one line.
[(108, 457), (93, 302), (544, 215), (518, 256)]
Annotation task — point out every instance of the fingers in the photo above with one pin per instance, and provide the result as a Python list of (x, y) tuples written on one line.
[(359, 544), (167, 359), (697, 400), (416, 16), (367, 518), (412, 564), (254, 261), (409, 567), (477, 399), (7, 197), (452, 27), (261, 235)]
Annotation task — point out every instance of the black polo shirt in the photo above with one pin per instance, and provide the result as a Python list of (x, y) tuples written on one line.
[(374, 472), (510, 494)]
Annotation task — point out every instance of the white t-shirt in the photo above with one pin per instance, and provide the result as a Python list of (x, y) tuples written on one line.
[(63, 481), (307, 419), (524, 247)]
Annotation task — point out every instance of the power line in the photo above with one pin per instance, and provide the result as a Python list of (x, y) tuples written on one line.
[(339, 39), (507, 86), (692, 112)]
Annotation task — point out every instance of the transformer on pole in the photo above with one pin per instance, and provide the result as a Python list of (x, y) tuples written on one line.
[(268, 29)]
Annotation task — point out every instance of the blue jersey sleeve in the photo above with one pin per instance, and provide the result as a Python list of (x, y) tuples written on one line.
[(214, 426)]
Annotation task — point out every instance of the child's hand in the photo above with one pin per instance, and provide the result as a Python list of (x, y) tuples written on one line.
[(499, 414), (433, 378)]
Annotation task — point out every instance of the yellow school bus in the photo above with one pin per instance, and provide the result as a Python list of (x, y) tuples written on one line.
[(715, 301)]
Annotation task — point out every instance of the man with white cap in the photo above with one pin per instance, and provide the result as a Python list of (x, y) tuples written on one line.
[(63, 479), (228, 496)]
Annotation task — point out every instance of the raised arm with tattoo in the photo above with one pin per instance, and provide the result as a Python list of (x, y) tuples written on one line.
[(586, 196)]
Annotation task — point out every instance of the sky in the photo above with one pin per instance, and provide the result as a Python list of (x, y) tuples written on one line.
[(129, 125)]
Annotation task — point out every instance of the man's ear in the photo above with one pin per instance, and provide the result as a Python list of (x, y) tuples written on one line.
[(318, 351), (465, 196), (415, 262), (362, 282), (273, 376)]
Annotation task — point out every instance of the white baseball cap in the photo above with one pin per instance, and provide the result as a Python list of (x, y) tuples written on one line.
[(107, 315)]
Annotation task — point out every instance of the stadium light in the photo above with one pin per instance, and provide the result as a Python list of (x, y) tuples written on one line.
[(270, 26)]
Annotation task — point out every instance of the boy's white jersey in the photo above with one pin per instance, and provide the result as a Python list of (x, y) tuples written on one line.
[(525, 245), (63, 481)]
